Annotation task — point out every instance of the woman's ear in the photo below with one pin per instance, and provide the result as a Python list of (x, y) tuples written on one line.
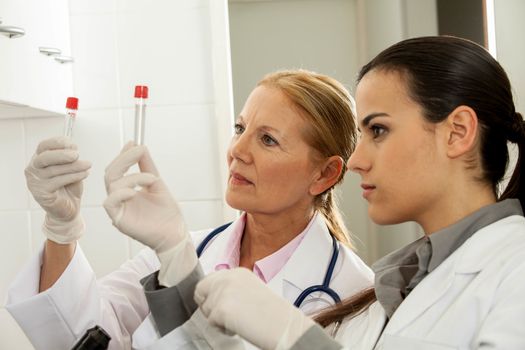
[(329, 174), (461, 128)]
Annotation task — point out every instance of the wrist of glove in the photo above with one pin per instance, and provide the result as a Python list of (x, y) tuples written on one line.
[(54, 177), (63, 232), (177, 263), (237, 301)]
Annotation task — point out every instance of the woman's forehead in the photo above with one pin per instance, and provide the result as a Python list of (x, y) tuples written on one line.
[(270, 105), (384, 92)]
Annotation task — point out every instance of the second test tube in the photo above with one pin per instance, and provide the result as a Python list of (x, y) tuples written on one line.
[(141, 94)]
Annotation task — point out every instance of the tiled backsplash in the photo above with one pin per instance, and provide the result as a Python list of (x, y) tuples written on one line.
[(117, 44)]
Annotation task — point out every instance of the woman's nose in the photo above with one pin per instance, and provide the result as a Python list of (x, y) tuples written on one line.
[(240, 148), (358, 161)]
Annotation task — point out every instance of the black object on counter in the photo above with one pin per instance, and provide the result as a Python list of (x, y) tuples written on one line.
[(95, 338)]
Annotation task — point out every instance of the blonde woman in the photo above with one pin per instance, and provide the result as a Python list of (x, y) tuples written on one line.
[(289, 150)]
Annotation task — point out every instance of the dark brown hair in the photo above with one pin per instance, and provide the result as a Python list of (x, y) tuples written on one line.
[(352, 307)]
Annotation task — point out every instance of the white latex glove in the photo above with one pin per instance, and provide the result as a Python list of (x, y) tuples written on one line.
[(241, 303), (149, 214), (54, 177)]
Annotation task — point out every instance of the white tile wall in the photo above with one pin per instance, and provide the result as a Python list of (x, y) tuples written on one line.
[(118, 44), (77, 7), (183, 143), (200, 215), (98, 136), (171, 54), (142, 6), (94, 44), (12, 183), (105, 247), (15, 249)]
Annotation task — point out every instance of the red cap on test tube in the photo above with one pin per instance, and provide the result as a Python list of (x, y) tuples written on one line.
[(72, 103), (141, 91)]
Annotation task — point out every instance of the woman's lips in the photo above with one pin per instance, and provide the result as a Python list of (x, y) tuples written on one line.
[(367, 190), (238, 179)]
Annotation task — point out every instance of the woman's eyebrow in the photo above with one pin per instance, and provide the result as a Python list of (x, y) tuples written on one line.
[(366, 120)]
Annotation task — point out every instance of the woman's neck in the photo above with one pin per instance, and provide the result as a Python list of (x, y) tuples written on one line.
[(455, 206), (264, 234)]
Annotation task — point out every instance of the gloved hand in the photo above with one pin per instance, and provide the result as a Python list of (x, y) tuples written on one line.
[(149, 214), (54, 177), (239, 302)]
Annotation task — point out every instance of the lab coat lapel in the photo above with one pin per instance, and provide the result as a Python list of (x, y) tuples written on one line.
[(421, 298), (305, 268), (470, 258), (307, 265), (215, 249)]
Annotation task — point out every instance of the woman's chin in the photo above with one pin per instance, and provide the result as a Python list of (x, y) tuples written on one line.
[(378, 217), (234, 202)]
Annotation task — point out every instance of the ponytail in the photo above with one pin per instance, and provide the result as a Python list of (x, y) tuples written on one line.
[(347, 309), (516, 134), (328, 207)]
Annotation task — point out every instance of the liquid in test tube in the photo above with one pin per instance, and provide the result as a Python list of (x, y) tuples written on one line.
[(71, 114), (141, 94)]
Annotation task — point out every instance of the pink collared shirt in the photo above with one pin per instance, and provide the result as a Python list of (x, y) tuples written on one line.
[(267, 267)]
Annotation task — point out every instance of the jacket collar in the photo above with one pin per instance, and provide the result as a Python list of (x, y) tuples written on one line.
[(305, 268), (449, 239), (478, 251), (470, 258), (218, 245)]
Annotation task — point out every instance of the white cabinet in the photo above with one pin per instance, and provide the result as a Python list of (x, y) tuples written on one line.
[(33, 84)]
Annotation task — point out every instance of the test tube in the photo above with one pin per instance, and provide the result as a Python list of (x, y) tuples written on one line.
[(141, 94), (71, 114)]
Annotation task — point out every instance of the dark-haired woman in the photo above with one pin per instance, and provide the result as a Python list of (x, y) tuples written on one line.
[(435, 115)]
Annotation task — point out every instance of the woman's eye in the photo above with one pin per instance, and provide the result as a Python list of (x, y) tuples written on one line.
[(268, 140), (238, 129), (377, 130)]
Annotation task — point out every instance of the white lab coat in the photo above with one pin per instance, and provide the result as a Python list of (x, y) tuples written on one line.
[(56, 318), (474, 300)]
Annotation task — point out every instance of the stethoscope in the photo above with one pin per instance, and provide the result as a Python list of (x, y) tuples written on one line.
[(323, 288)]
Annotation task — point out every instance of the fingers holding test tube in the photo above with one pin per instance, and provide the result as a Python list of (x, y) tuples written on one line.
[(141, 206), (54, 177)]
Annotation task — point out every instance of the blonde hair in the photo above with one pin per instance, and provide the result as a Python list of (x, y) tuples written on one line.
[(328, 107)]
